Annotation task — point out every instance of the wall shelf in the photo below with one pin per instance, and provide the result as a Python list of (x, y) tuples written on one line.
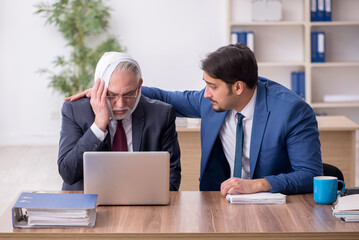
[(282, 47)]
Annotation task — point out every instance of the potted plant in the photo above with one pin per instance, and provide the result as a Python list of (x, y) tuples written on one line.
[(78, 21)]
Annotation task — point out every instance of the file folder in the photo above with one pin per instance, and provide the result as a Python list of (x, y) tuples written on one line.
[(320, 9), (234, 37), (321, 47), (314, 46), (294, 82), (328, 10), (49, 210), (242, 37), (314, 10), (301, 80), (250, 40)]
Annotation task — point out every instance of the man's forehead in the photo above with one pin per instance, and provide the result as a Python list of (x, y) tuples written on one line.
[(210, 80)]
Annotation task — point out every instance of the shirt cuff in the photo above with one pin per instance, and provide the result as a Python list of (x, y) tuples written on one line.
[(98, 132)]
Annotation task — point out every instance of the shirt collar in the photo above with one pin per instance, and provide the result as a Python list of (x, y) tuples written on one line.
[(248, 110)]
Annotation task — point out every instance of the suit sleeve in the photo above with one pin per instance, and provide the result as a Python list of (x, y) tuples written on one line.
[(169, 143), (73, 143), (303, 147), (186, 104)]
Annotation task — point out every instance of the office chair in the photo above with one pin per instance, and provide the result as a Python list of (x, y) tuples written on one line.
[(330, 170)]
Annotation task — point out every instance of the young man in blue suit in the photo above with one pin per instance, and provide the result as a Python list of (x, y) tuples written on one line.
[(280, 150), (256, 135), (116, 118)]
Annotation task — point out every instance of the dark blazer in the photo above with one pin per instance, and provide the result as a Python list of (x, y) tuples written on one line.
[(284, 149), (153, 129)]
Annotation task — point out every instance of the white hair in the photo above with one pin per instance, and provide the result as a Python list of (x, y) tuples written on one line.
[(127, 67)]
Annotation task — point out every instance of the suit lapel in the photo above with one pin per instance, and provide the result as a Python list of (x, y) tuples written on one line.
[(211, 124), (260, 120), (137, 126)]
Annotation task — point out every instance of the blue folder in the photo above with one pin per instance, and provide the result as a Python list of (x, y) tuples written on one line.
[(301, 77), (321, 47), (314, 46), (314, 10), (328, 10), (294, 82), (50, 203)]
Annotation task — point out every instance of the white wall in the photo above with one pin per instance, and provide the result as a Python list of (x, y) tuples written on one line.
[(167, 37)]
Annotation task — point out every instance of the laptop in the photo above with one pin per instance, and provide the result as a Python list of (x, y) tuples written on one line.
[(127, 178)]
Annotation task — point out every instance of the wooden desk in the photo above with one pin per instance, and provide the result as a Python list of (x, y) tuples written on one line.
[(337, 137), (202, 215)]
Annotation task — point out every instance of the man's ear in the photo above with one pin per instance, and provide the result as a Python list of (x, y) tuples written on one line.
[(140, 81), (238, 87)]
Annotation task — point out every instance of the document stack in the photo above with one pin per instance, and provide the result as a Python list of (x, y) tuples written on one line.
[(49, 210), (347, 208), (257, 198)]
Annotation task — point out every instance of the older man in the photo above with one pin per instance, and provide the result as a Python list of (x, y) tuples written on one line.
[(116, 118)]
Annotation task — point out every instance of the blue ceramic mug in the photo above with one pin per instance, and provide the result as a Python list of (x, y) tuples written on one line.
[(325, 189)]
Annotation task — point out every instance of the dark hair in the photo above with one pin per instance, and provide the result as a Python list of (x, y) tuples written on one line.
[(232, 63)]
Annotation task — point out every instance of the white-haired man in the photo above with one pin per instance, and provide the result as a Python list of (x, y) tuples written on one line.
[(116, 118)]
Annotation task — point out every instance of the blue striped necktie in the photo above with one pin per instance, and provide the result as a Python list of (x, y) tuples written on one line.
[(239, 147)]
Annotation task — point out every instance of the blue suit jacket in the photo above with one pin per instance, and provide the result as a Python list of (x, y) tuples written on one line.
[(153, 129), (285, 147)]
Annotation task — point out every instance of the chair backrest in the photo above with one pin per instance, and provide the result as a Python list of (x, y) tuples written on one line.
[(330, 170)]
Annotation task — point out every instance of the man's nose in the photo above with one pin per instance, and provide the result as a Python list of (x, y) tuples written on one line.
[(207, 93), (120, 102)]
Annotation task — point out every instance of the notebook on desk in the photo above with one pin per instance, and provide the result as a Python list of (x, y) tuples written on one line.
[(127, 178)]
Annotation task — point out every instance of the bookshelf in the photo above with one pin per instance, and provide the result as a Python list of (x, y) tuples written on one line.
[(285, 46)]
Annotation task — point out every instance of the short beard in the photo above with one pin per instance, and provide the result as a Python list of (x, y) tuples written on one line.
[(219, 110)]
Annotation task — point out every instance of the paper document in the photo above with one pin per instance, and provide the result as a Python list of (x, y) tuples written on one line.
[(347, 208), (257, 198)]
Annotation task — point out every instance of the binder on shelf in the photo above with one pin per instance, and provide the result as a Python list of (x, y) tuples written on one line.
[(51, 210), (246, 38), (242, 37), (298, 83), (328, 10), (318, 46), (301, 77), (320, 9), (294, 82), (314, 10), (314, 46), (250, 40), (321, 47)]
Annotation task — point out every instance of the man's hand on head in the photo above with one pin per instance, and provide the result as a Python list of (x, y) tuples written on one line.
[(99, 104), (86, 93), (239, 185)]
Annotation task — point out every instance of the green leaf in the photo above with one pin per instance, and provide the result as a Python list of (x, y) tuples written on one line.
[(77, 20)]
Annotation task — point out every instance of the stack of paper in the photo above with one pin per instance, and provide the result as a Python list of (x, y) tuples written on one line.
[(347, 208), (33, 210), (257, 198)]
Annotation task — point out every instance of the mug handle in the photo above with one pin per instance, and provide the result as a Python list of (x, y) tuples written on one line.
[(342, 187)]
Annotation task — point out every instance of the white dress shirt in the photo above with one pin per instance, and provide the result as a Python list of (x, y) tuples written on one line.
[(127, 126), (227, 135)]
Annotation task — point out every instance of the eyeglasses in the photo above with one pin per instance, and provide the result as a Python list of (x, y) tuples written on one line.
[(131, 96)]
